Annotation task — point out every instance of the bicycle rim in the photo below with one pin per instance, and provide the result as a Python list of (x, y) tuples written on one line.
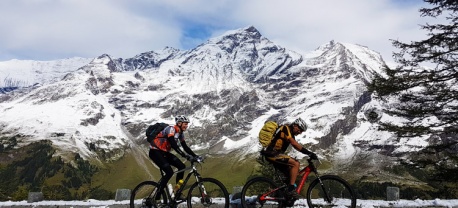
[(332, 192), (141, 196), (208, 193), (257, 192)]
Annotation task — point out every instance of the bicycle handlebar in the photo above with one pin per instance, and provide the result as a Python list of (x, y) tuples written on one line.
[(198, 159), (310, 160)]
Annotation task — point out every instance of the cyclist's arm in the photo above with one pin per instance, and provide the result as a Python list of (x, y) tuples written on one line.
[(187, 149), (294, 143), (175, 146), (299, 147)]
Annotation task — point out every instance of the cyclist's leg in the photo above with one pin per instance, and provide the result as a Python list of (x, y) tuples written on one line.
[(283, 168), (294, 170), (174, 161), (159, 158), (286, 165)]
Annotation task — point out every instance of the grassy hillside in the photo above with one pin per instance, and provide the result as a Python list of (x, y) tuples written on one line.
[(127, 172), (36, 168)]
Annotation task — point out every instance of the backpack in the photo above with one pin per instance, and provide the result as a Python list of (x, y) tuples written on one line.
[(267, 133), (153, 130)]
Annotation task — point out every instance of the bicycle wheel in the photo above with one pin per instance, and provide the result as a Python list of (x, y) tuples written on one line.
[(333, 191), (208, 193), (261, 192), (142, 197)]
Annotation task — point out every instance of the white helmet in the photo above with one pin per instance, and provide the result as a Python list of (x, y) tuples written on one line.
[(181, 118), (301, 123)]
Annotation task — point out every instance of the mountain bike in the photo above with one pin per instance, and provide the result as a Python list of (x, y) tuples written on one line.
[(324, 191), (204, 192)]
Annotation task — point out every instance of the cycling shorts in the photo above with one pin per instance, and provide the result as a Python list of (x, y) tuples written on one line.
[(281, 159)]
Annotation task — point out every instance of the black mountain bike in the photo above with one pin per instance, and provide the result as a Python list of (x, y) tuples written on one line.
[(204, 192), (324, 191)]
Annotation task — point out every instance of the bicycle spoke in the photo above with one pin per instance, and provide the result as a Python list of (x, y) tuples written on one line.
[(208, 193), (142, 197), (332, 192), (260, 192)]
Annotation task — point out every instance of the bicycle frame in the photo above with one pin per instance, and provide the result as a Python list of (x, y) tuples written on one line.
[(266, 196), (319, 189), (193, 171), (305, 174)]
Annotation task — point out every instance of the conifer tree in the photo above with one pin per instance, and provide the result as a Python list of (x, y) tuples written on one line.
[(427, 96)]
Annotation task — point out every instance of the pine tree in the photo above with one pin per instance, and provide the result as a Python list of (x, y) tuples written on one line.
[(427, 96)]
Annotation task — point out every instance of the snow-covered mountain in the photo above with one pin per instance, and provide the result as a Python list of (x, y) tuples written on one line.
[(24, 73), (228, 86)]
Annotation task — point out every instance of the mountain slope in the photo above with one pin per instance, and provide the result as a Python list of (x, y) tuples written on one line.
[(23, 73), (231, 84), (228, 86)]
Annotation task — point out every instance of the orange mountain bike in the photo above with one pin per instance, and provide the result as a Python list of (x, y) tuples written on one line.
[(324, 191)]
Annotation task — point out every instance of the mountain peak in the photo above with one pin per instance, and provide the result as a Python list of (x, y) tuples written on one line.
[(249, 31), (247, 34), (244, 30), (326, 46)]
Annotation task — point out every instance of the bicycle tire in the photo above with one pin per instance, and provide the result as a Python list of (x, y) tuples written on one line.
[(216, 194), (143, 192), (338, 190), (249, 197)]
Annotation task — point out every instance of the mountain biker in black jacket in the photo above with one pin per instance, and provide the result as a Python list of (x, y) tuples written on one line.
[(275, 151)]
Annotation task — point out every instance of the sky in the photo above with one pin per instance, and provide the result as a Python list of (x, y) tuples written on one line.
[(57, 29)]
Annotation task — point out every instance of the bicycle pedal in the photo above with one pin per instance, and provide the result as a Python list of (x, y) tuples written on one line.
[(180, 198), (290, 203), (293, 195)]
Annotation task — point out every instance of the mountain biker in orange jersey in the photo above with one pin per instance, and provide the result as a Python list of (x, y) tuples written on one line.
[(160, 148), (275, 152)]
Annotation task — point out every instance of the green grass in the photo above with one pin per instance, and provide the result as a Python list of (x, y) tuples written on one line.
[(127, 172), (228, 169), (231, 169)]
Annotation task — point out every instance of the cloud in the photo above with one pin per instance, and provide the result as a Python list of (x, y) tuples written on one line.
[(304, 25), (54, 29)]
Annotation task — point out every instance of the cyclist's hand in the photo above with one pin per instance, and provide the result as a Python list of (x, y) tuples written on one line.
[(189, 157), (199, 158), (313, 156)]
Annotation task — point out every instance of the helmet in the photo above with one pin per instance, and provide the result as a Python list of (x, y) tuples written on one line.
[(301, 123), (181, 118)]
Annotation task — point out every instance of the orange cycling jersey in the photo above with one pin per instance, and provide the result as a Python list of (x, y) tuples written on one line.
[(161, 142)]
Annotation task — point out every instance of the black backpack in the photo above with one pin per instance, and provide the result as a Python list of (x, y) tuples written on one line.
[(153, 130)]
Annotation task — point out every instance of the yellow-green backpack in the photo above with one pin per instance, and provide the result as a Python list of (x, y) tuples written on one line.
[(267, 133)]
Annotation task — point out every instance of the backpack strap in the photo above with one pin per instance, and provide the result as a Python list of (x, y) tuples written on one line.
[(287, 129), (165, 131)]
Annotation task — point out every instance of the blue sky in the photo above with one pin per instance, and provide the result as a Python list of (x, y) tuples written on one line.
[(58, 29)]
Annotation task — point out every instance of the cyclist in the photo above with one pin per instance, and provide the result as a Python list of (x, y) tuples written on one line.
[(171, 137), (275, 151)]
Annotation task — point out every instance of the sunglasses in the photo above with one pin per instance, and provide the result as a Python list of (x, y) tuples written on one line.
[(300, 129)]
